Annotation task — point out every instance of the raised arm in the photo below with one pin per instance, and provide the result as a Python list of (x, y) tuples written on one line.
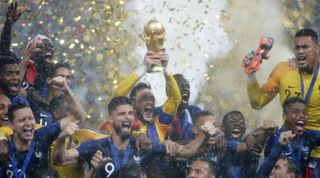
[(12, 16), (261, 96), (266, 167), (128, 83), (174, 97), (258, 98)]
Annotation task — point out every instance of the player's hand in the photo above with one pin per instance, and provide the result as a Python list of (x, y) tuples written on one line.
[(269, 126), (70, 129), (12, 13), (286, 137), (221, 144), (164, 58), (58, 83), (151, 59), (292, 63), (143, 143), (247, 60), (97, 161), (171, 147)]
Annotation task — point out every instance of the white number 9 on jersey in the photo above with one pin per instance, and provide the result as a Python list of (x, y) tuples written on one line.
[(109, 169)]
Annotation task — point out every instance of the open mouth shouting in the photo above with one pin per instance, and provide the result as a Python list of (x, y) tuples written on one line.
[(126, 126), (300, 126), (302, 61), (185, 98), (13, 86), (236, 133), (147, 113)]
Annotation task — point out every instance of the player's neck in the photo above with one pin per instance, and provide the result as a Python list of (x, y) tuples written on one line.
[(312, 68), (121, 144), (21, 144), (142, 123)]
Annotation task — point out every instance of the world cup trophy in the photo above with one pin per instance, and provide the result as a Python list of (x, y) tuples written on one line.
[(154, 34)]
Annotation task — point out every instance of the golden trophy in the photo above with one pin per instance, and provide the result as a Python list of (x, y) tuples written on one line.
[(154, 33)]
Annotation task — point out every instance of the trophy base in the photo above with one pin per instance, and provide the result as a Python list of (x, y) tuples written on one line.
[(156, 68)]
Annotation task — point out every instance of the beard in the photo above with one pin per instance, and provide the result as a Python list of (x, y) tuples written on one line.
[(121, 134)]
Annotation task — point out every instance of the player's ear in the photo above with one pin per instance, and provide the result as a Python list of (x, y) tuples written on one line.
[(110, 118), (195, 130), (284, 116)]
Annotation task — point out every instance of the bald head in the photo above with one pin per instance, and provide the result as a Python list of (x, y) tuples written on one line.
[(4, 104)]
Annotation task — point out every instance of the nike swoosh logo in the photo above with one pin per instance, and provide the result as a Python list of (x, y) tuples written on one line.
[(287, 154), (43, 115)]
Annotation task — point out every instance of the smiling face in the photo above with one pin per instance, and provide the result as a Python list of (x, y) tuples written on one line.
[(9, 79), (296, 117), (41, 52), (144, 104), (306, 52), (23, 124), (4, 104), (234, 124), (122, 120)]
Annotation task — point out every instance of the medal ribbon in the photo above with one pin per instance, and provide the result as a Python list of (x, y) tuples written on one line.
[(115, 155), (26, 161), (313, 81)]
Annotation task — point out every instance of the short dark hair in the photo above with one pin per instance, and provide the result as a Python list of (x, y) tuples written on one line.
[(308, 32), (131, 171), (225, 117), (59, 104), (291, 165), (117, 101), (288, 102), (54, 68), (13, 108), (179, 77), (5, 60), (195, 118), (138, 87), (211, 166)]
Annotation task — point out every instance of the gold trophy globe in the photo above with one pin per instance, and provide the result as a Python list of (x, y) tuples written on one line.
[(154, 33)]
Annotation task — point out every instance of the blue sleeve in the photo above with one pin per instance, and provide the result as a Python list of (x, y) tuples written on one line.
[(87, 149), (193, 109), (156, 111), (312, 136), (165, 118), (269, 145), (49, 133), (268, 163), (231, 147)]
